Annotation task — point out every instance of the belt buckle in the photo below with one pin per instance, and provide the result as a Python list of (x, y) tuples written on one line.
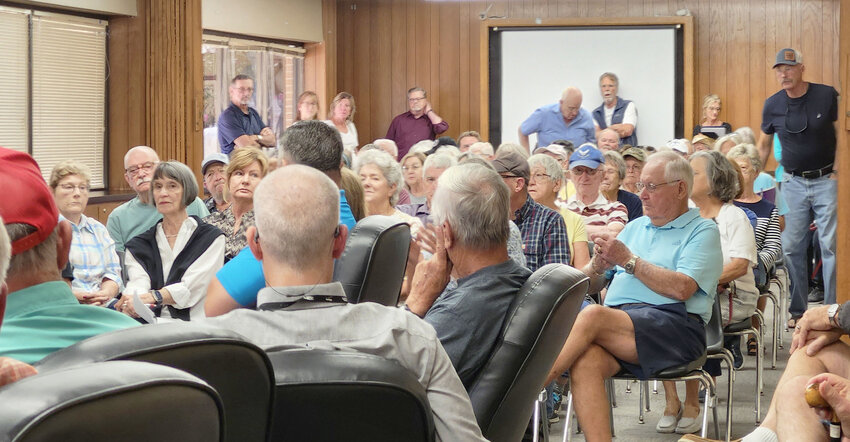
[(810, 174)]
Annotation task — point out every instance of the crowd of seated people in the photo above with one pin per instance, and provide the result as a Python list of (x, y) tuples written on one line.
[(482, 220)]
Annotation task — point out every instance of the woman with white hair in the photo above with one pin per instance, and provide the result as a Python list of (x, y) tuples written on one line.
[(171, 265), (717, 183), (382, 181)]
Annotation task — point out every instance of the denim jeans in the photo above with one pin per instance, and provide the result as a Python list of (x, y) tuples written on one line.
[(809, 200)]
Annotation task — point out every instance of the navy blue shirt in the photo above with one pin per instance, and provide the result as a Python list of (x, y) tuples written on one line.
[(804, 126), (632, 203), (233, 123)]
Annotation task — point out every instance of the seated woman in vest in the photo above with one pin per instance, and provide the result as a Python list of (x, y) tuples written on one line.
[(247, 167), (171, 265), (96, 266)]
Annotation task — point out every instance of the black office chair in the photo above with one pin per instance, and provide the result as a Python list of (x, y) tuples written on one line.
[(534, 332), (122, 400), (328, 395), (239, 371), (371, 268)]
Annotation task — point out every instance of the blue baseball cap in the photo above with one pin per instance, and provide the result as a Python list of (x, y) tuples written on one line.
[(588, 156)]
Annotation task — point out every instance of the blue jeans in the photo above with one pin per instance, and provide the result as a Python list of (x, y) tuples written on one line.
[(809, 200)]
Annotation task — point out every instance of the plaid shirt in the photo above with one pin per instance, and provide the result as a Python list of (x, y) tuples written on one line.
[(544, 235), (93, 256), (12, 370)]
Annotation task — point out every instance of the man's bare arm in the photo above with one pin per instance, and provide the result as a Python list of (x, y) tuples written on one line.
[(765, 145), (523, 139), (623, 129)]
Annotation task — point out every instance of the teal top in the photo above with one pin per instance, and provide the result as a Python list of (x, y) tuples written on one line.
[(47, 317), (689, 245), (134, 217)]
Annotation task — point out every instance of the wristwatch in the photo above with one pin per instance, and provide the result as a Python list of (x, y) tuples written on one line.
[(259, 138), (629, 267), (157, 296), (832, 314)]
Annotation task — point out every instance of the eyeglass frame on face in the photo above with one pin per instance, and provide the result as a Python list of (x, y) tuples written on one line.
[(134, 170), (537, 176), (415, 99), (83, 188), (588, 171), (651, 188)]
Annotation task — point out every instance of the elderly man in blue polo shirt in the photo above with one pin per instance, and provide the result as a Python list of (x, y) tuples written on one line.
[(665, 266), (240, 125), (564, 120)]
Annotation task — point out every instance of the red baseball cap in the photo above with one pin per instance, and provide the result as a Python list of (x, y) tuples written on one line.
[(26, 199)]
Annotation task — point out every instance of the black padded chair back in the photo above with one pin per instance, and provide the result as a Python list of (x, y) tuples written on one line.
[(122, 400), (328, 395), (536, 327), (371, 268), (238, 370), (714, 329)]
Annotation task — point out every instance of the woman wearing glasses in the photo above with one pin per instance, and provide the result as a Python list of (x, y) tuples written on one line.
[(342, 119), (97, 269), (411, 166), (711, 125)]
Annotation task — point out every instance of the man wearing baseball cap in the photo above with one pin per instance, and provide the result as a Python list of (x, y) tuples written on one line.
[(213, 169), (635, 158), (803, 115), (42, 314), (587, 167), (544, 234)]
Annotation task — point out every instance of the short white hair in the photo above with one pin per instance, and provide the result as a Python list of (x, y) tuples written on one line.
[(747, 135), (5, 252), (513, 147), (146, 149), (482, 148), (549, 164), (422, 146), (388, 166), (475, 201), (449, 150), (387, 144), (438, 161), (735, 138), (676, 167), (296, 211)]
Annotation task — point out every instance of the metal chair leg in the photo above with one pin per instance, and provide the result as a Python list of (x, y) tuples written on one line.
[(535, 430), (568, 416)]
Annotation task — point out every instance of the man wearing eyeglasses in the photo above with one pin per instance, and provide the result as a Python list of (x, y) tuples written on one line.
[(138, 214), (663, 270), (417, 124), (240, 125), (803, 115), (587, 168)]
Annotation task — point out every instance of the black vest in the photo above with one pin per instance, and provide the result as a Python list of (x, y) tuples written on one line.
[(146, 251)]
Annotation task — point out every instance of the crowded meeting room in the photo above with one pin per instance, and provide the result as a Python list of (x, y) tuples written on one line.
[(424, 220)]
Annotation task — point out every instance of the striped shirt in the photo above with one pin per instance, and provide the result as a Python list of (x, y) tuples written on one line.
[(93, 256), (768, 235), (600, 212), (544, 235)]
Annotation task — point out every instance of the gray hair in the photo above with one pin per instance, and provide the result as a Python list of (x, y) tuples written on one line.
[(5, 253), (417, 89), (449, 149), (312, 143), (388, 166), (146, 149), (723, 178), (615, 157), (179, 172), (475, 201), (422, 146), (40, 259), (733, 137), (438, 161), (512, 147), (747, 135), (747, 151), (676, 167), (483, 148), (551, 165), (296, 210), (610, 75), (381, 142)]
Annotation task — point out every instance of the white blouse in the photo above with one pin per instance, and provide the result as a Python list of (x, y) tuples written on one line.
[(191, 291), (349, 139)]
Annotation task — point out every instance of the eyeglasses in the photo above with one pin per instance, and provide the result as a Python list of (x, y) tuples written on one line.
[(414, 167), (135, 169), (83, 188), (588, 172), (652, 187), (540, 176), (245, 89), (415, 99)]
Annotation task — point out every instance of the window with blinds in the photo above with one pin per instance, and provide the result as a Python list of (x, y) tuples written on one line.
[(53, 88)]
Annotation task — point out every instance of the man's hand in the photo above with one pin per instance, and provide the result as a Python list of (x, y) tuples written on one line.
[(836, 391), (427, 238), (609, 248), (430, 278), (266, 132), (428, 107), (814, 320)]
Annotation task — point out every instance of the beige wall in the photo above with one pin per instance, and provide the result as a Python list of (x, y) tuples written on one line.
[(108, 7), (298, 20)]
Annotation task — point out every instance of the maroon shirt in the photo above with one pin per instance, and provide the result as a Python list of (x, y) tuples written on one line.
[(407, 130)]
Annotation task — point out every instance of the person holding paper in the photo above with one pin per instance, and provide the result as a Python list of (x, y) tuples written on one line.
[(171, 264)]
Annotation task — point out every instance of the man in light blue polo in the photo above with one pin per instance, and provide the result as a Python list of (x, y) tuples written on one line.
[(665, 266), (564, 120)]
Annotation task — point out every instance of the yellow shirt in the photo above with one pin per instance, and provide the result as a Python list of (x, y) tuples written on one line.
[(575, 228)]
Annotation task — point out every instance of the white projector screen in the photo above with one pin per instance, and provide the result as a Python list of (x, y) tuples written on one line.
[(537, 65)]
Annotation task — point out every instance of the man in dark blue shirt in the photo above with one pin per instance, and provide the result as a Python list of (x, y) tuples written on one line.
[(240, 125), (803, 115)]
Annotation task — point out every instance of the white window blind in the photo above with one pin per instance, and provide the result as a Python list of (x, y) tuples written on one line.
[(68, 92), (14, 55)]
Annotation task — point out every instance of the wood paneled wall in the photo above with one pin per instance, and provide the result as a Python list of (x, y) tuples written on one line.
[(385, 47), (156, 84), (843, 160)]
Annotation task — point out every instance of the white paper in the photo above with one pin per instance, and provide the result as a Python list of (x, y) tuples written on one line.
[(143, 311)]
